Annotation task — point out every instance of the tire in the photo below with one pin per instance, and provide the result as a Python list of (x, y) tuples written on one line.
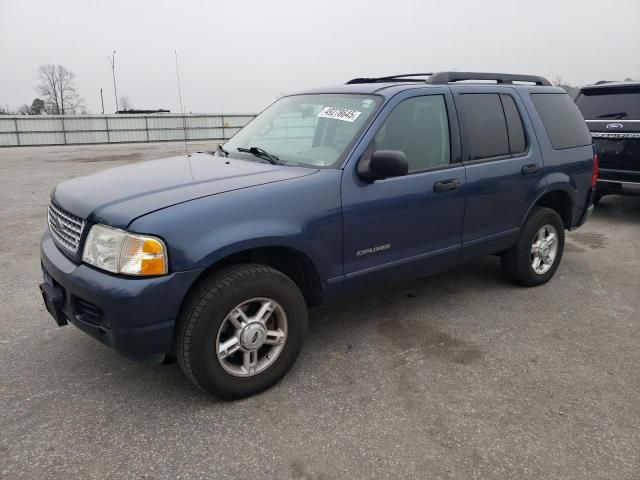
[(206, 318), (517, 262)]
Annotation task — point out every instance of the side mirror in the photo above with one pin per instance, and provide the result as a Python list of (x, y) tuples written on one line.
[(383, 164)]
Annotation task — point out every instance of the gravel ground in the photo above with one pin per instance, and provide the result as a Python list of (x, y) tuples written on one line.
[(461, 375)]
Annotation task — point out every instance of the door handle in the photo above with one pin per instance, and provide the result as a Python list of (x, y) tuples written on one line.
[(446, 185), (530, 169)]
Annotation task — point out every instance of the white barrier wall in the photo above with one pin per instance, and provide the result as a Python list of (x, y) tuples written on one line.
[(26, 130)]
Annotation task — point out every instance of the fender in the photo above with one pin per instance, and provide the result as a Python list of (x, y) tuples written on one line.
[(555, 182), (303, 215)]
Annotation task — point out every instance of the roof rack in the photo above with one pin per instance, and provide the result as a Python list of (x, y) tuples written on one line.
[(404, 77), (508, 78), (441, 78)]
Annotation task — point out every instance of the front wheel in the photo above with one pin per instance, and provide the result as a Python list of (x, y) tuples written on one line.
[(536, 256), (241, 331)]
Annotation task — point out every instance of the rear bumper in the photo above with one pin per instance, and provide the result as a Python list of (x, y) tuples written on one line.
[(135, 316), (619, 187), (588, 209)]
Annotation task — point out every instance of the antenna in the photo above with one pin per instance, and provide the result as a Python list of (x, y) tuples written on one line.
[(184, 120)]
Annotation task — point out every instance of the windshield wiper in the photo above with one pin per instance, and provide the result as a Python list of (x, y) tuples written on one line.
[(221, 150), (617, 115), (261, 153)]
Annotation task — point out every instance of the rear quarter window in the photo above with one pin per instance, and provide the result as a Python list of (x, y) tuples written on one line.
[(517, 139), (562, 120)]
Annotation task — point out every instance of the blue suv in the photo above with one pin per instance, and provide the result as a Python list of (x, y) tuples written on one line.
[(214, 257)]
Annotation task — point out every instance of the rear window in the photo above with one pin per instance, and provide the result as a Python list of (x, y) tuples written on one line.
[(611, 104), (562, 120)]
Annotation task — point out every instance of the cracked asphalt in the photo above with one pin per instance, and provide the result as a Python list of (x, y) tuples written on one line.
[(461, 375)]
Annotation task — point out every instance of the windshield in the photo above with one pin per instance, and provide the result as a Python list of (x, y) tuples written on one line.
[(307, 130), (614, 105)]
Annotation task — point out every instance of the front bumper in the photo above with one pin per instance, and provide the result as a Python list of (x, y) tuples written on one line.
[(135, 316)]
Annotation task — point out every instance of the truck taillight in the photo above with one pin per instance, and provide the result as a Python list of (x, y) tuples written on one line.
[(594, 173)]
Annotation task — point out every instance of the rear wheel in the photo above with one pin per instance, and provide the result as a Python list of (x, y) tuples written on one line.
[(241, 331), (536, 256)]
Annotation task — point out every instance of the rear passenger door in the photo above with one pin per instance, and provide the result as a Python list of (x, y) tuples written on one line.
[(503, 166)]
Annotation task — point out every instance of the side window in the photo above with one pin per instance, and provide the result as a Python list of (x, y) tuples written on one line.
[(517, 141), (419, 127), (562, 120), (484, 125)]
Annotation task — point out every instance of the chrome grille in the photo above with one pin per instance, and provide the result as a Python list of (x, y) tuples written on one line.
[(66, 228)]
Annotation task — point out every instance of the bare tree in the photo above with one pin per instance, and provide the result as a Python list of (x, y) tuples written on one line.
[(124, 103), (24, 109), (57, 86), (572, 90), (36, 108)]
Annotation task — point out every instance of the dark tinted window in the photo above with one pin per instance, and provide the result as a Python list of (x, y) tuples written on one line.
[(484, 125), (611, 104), (517, 142), (562, 120), (419, 127)]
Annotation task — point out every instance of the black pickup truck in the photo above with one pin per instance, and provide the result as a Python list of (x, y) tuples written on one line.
[(612, 112)]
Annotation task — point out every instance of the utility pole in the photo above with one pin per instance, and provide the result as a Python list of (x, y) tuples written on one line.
[(112, 61), (102, 101)]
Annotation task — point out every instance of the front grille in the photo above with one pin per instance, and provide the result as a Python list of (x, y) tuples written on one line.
[(65, 228)]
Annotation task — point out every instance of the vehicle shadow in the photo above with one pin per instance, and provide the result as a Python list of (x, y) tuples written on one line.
[(626, 208), (404, 316)]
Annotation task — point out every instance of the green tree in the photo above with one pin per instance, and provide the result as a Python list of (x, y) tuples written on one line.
[(37, 106)]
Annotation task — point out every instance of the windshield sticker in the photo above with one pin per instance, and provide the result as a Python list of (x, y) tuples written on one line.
[(339, 114)]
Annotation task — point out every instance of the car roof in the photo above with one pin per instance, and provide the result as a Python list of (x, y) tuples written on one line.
[(388, 90), (606, 86), (392, 84)]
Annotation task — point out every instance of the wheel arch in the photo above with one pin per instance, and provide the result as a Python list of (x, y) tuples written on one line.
[(286, 259), (558, 200)]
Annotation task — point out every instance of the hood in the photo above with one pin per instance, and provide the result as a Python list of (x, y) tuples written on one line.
[(119, 195)]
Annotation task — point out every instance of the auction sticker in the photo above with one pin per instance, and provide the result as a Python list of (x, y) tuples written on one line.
[(339, 114)]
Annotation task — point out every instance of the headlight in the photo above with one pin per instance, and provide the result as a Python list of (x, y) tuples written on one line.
[(118, 251)]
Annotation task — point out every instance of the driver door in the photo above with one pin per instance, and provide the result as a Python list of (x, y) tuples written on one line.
[(406, 227)]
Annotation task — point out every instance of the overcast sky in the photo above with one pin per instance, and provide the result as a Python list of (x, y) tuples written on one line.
[(240, 55)]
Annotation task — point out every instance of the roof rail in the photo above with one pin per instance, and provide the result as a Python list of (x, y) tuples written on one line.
[(405, 77), (451, 77), (508, 78)]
